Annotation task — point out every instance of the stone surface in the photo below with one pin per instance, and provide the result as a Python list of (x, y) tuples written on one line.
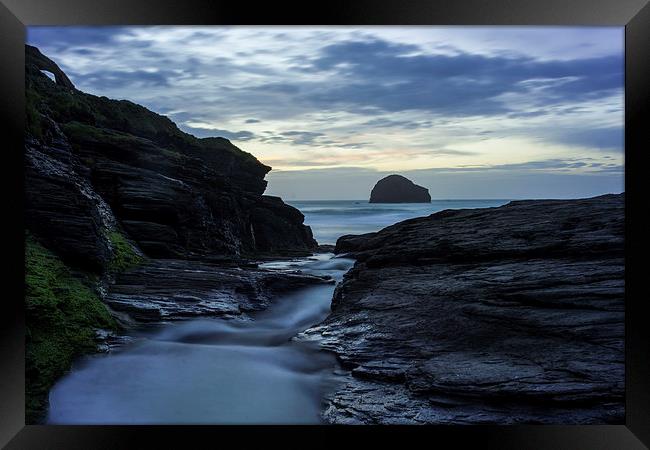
[(35, 60), (178, 289), (61, 205), (174, 195), (278, 228), (498, 315), (398, 189)]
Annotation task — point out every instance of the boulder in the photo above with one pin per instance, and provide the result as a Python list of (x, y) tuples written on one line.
[(398, 189)]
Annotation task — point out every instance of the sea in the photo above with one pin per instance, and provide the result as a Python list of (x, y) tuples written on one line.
[(331, 219)]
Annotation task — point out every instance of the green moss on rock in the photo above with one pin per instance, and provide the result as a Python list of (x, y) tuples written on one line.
[(62, 314), (124, 257)]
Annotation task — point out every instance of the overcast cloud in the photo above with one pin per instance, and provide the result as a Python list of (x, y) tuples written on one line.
[(469, 112)]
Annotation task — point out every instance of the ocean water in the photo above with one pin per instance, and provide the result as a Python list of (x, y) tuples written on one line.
[(331, 219)]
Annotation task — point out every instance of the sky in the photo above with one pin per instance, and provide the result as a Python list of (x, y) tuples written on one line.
[(468, 112)]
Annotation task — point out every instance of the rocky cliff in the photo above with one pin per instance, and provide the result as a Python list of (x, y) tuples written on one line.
[(398, 189), (124, 209), (498, 315), (174, 195)]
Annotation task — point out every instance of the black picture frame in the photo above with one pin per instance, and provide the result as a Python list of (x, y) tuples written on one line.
[(633, 14)]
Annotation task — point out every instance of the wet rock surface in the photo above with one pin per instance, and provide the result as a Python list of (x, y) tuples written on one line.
[(162, 290), (499, 315)]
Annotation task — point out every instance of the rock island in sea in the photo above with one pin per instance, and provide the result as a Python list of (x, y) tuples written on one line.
[(398, 189)]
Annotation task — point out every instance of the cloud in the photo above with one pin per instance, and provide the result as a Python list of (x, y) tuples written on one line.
[(75, 38), (307, 138), (552, 165), (214, 132), (504, 100), (396, 77), (335, 172), (301, 137), (355, 146), (599, 138), (295, 163), (451, 151), (365, 76), (383, 122), (127, 78)]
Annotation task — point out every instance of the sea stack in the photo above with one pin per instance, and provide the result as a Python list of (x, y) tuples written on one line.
[(398, 189)]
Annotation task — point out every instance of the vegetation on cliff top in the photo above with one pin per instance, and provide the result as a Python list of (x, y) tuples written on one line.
[(62, 313), (64, 105)]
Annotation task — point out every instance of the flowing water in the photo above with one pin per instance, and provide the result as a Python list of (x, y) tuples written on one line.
[(217, 371), (212, 371)]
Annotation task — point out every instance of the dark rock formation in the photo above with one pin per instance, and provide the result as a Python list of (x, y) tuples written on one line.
[(277, 227), (326, 248), (109, 184), (497, 315), (35, 60), (175, 195), (64, 207), (177, 289), (398, 189)]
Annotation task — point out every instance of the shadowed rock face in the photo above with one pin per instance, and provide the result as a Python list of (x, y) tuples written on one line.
[(174, 195), (498, 315), (398, 189), (63, 206)]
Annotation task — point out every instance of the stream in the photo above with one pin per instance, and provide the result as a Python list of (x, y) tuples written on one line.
[(211, 370)]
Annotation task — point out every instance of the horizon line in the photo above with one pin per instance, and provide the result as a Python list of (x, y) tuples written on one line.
[(446, 199)]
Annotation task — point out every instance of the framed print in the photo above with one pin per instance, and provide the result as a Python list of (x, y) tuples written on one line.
[(365, 219)]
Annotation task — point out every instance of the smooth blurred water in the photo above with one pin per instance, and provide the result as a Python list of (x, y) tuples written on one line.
[(331, 219), (212, 371)]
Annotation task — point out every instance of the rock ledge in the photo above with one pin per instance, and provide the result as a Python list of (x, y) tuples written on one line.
[(497, 315)]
